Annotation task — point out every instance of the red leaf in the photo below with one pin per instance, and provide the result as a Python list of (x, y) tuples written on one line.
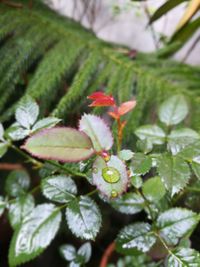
[(101, 99), (126, 107)]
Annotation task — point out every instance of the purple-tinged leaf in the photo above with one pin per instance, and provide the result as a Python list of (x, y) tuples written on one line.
[(61, 143), (110, 177), (98, 131)]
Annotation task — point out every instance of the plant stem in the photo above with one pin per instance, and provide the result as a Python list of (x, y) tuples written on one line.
[(146, 204), (92, 193)]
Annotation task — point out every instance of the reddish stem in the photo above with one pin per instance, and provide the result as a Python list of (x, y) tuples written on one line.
[(10, 166), (108, 252)]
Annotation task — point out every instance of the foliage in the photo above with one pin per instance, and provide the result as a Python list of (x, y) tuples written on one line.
[(149, 180)]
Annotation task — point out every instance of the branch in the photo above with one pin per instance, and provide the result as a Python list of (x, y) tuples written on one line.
[(11, 4), (108, 252), (10, 166)]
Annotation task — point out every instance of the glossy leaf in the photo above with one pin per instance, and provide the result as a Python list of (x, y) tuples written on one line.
[(68, 252), (35, 234), (136, 181), (3, 149), (152, 133), (178, 139), (45, 123), (17, 183), (2, 205), (15, 132), (141, 164), (100, 99), (126, 107), (84, 253), (136, 236), (27, 112), (63, 144), (174, 172), (176, 223), (153, 189), (126, 154), (173, 110), (196, 169), (83, 218), (129, 203), (19, 209), (184, 257), (110, 177), (1, 132), (59, 188), (97, 130)]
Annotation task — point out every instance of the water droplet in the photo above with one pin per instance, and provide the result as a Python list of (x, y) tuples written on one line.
[(114, 193), (110, 175), (95, 170)]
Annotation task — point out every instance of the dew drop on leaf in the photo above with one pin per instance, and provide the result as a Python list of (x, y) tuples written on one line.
[(110, 175)]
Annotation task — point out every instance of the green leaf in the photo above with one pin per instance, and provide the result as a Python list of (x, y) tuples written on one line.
[(97, 130), (2, 205), (136, 236), (136, 181), (163, 9), (173, 110), (16, 132), (59, 188), (184, 257), (110, 177), (83, 218), (19, 209), (35, 234), (126, 154), (152, 133), (129, 203), (178, 139), (1, 132), (45, 123), (84, 253), (68, 252), (3, 149), (27, 112), (196, 168), (62, 143), (176, 223), (17, 183), (153, 189), (141, 164), (174, 172)]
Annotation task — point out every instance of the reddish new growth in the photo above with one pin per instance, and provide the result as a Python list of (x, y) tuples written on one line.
[(100, 99)]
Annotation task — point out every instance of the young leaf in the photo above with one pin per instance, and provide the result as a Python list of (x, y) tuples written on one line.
[(19, 209), (141, 164), (84, 253), (183, 257), (27, 112), (152, 133), (35, 234), (59, 188), (136, 181), (126, 154), (68, 252), (153, 189), (63, 144), (83, 218), (3, 149), (136, 236), (110, 177), (129, 203), (45, 123), (173, 110), (97, 130), (174, 172), (178, 139), (17, 183), (176, 223)]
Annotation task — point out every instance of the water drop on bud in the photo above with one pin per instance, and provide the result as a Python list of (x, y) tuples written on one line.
[(110, 175)]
